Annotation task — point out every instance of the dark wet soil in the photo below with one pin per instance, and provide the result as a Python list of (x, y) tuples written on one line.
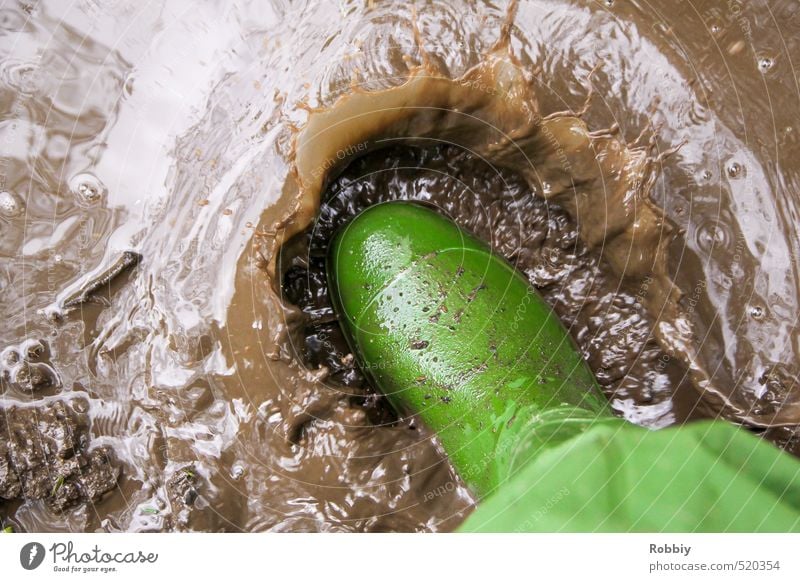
[(45, 457)]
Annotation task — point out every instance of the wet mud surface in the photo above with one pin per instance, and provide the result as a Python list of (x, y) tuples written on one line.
[(45, 457), (169, 359)]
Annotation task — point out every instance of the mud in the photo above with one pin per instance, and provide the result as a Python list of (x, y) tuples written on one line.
[(637, 161), (45, 458)]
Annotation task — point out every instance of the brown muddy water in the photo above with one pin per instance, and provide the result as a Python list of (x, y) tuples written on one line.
[(171, 172)]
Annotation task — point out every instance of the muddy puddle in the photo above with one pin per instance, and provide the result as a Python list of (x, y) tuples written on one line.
[(171, 175)]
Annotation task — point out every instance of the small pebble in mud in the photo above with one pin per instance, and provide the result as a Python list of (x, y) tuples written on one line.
[(419, 345), (87, 188), (181, 488), (736, 47)]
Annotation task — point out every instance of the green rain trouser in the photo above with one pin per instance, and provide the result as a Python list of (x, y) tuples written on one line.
[(707, 476)]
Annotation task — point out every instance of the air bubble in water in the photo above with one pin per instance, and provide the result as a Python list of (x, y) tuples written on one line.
[(237, 470), (88, 188), (735, 169), (765, 64), (10, 205), (711, 235), (9, 357), (34, 376), (757, 312)]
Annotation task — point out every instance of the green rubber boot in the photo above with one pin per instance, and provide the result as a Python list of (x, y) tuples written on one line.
[(453, 334)]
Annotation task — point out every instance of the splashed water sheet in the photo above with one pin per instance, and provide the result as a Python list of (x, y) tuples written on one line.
[(171, 173)]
